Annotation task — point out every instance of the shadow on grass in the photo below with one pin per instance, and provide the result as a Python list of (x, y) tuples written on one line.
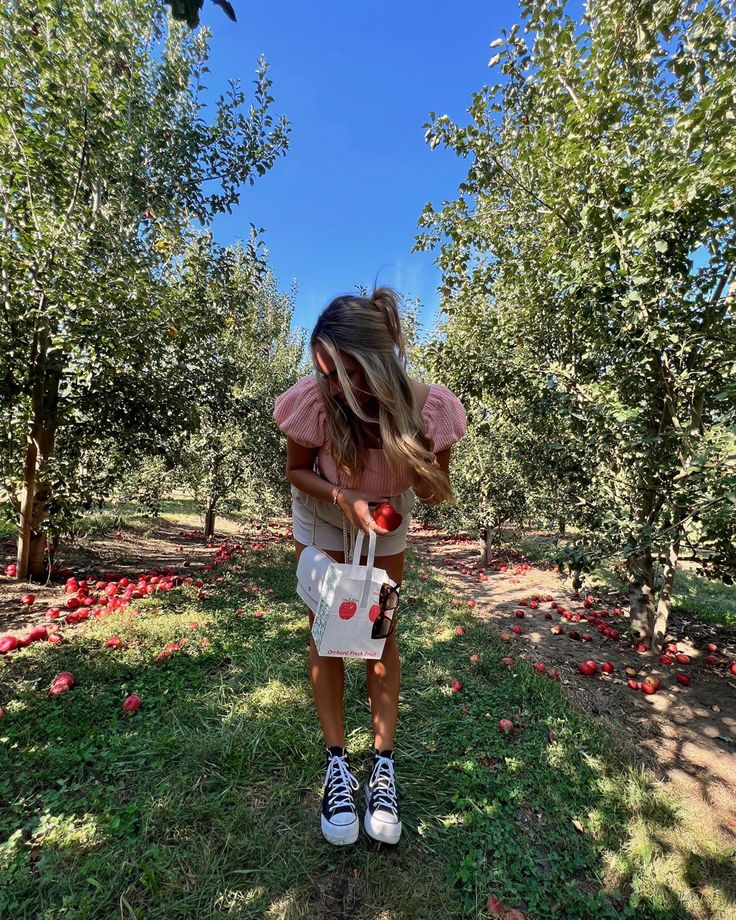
[(206, 801)]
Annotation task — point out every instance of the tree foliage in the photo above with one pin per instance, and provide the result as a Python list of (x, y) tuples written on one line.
[(588, 273), (106, 161)]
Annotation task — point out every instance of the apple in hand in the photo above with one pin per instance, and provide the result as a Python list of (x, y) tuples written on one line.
[(386, 516)]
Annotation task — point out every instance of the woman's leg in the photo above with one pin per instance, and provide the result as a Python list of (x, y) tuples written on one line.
[(327, 676), (383, 676)]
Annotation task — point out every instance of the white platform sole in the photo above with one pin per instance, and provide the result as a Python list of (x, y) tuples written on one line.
[(380, 830), (340, 834)]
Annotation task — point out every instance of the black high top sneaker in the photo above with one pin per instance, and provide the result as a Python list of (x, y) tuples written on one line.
[(340, 822), (382, 821)]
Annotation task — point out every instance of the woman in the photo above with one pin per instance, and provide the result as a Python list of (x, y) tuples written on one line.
[(375, 435)]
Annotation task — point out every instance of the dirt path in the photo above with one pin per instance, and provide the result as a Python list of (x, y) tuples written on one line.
[(687, 735)]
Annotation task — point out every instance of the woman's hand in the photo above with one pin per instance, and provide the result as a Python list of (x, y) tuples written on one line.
[(354, 505)]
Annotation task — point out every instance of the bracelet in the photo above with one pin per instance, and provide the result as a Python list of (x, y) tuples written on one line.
[(337, 495)]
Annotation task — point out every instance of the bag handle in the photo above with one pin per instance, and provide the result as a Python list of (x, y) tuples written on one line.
[(355, 569)]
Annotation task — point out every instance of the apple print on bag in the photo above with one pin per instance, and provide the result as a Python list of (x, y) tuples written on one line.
[(348, 609)]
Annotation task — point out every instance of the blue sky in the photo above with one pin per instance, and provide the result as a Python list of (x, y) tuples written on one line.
[(357, 82)]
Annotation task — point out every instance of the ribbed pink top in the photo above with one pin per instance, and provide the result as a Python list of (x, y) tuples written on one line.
[(300, 413)]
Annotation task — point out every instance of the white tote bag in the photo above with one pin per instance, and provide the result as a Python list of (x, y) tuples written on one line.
[(353, 604)]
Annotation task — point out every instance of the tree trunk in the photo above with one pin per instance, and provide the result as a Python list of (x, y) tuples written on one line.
[(641, 595), (664, 603), (487, 544), (45, 378), (561, 526), (209, 518)]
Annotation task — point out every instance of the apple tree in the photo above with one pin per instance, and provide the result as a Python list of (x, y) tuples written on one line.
[(246, 354), (106, 160), (596, 227)]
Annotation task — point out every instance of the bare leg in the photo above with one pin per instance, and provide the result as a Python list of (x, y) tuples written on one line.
[(327, 676), (383, 677)]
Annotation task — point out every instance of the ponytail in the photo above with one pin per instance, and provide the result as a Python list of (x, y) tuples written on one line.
[(386, 300)]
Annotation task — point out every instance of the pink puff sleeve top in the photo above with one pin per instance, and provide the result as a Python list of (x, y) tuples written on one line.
[(300, 414)]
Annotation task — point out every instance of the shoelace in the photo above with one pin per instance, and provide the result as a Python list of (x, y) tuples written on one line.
[(340, 781), (383, 789)]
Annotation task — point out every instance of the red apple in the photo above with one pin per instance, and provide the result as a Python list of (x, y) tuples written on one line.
[(7, 644), (475, 659), (733, 667), (711, 647), (508, 662), (641, 647), (539, 667), (650, 684), (587, 668), (682, 678), (506, 726), (633, 685), (28, 599), (518, 630), (711, 661), (586, 637), (132, 703), (665, 659), (460, 631), (347, 610), (520, 614), (682, 659), (548, 616), (114, 642), (386, 516), (457, 685), (607, 667)]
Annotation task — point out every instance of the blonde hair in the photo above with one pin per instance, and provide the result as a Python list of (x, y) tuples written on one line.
[(368, 329)]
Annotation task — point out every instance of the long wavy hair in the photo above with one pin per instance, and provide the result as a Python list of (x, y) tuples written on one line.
[(368, 329)]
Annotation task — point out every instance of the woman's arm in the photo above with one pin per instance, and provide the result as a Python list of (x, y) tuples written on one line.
[(423, 490)]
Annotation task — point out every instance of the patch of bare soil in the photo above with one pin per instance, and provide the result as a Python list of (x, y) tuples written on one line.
[(687, 735), (130, 551)]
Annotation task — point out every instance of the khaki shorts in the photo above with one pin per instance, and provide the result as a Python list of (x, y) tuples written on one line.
[(328, 530)]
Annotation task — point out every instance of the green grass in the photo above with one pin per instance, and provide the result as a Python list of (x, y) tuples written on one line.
[(205, 802)]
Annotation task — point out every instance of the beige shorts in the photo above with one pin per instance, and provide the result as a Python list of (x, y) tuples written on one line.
[(328, 529)]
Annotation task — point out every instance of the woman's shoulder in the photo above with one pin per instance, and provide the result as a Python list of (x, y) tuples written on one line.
[(307, 387), (299, 412), (444, 415)]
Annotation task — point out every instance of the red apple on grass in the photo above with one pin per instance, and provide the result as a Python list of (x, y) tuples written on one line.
[(682, 678), (457, 685), (607, 667), (132, 703), (506, 726)]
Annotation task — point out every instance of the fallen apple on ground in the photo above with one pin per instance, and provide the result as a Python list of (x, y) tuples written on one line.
[(457, 685), (132, 703), (506, 726), (682, 678), (650, 684)]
